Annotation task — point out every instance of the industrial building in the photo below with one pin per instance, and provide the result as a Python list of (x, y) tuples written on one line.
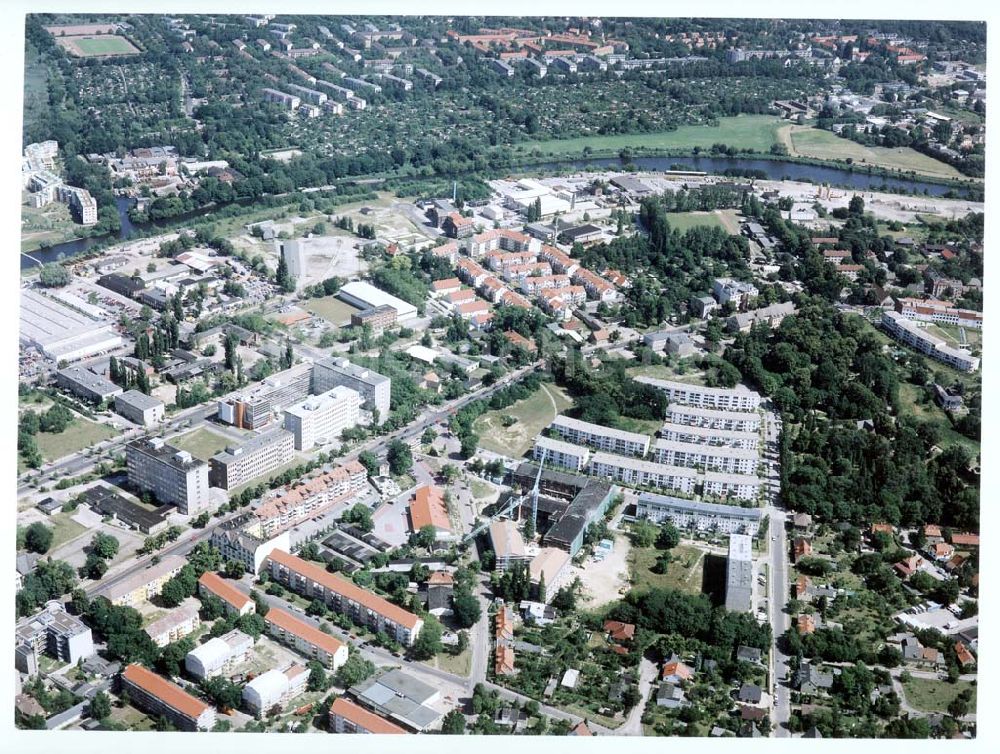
[(87, 385), (256, 406), (739, 574), (589, 505), (400, 697), (107, 502), (365, 296), (259, 455), (294, 254), (378, 318), (171, 475), (373, 387), (139, 408), (320, 419)]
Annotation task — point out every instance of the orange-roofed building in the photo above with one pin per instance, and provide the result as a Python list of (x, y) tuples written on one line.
[(581, 729), (676, 672), (306, 638), (516, 339), (461, 296), (504, 660), (618, 631), (348, 717), (440, 578), (504, 625), (428, 508), (444, 287), (881, 528), (933, 533), (801, 548), (963, 654), (965, 540), (942, 551), (157, 696), (236, 602)]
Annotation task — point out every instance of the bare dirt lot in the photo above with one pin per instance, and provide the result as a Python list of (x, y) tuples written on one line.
[(603, 581)]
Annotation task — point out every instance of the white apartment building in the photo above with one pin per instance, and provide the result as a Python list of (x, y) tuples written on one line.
[(723, 399), (259, 455), (602, 438), (734, 421), (309, 95), (321, 418), (715, 457), (739, 486), (727, 289), (173, 476), (939, 312), (288, 101), (636, 472), (175, 625), (566, 455), (913, 335), (692, 514), (219, 655), (375, 389), (709, 436), (274, 687)]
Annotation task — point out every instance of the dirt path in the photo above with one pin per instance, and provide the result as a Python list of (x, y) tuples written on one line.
[(555, 408), (728, 218)]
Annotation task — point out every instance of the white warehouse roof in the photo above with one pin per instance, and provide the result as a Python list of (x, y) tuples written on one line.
[(366, 296)]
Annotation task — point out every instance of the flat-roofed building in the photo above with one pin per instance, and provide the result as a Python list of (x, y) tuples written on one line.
[(507, 544), (306, 94), (87, 385), (106, 502), (640, 473), (715, 457), (375, 389), (275, 687), (256, 406), (157, 696), (218, 655), (365, 295), (244, 539), (603, 438), (559, 453), (306, 638), (379, 318), (910, 333), (171, 475), (53, 631), (142, 585), (587, 506), (739, 486), (548, 571), (140, 408), (348, 717), (708, 436), (401, 697), (736, 421), (697, 515), (62, 333), (257, 456), (235, 601), (940, 312), (718, 398), (343, 596), (175, 625), (287, 101), (321, 419), (739, 574)]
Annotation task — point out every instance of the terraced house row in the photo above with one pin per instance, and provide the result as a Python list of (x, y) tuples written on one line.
[(343, 596)]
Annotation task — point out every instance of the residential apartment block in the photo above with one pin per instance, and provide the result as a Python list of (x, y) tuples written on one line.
[(915, 336), (157, 696), (718, 398), (243, 539), (560, 453), (709, 436), (716, 457), (343, 596), (260, 455), (602, 438), (348, 717), (235, 601), (274, 687), (305, 638), (739, 486), (374, 388), (175, 625), (322, 418), (288, 101), (304, 499), (739, 574), (699, 516), (146, 583), (708, 418), (939, 312), (637, 472), (740, 293), (171, 475), (54, 631)]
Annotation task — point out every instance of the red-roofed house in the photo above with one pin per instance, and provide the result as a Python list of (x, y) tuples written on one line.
[(618, 631), (428, 508), (676, 672), (444, 287), (963, 655)]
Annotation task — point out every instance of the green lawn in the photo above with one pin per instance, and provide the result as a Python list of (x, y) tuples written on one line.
[(108, 45), (825, 145), (642, 426), (331, 308), (460, 664), (663, 372), (81, 433), (201, 443), (64, 529), (909, 398), (935, 696), (757, 132), (533, 414), (684, 572), (683, 221), (481, 490)]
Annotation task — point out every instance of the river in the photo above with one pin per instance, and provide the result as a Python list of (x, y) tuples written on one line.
[(775, 170)]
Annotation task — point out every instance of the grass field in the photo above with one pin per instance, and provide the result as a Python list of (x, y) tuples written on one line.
[(663, 372), (824, 145), (684, 572), (935, 696), (756, 132), (64, 529), (683, 221), (96, 46), (81, 433), (201, 443), (42, 226), (533, 414), (931, 412), (331, 308), (642, 426), (460, 664)]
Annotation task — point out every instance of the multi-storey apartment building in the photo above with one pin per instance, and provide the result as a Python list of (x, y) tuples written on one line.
[(305, 638), (243, 539), (157, 696), (235, 601), (939, 312), (709, 436), (259, 455), (348, 717), (739, 574), (175, 625), (309, 95), (710, 418), (739, 486), (560, 453), (274, 687), (719, 398), (343, 596), (701, 516), (171, 475), (740, 293), (915, 336), (142, 585), (374, 388), (603, 438), (637, 472), (54, 631), (321, 418), (288, 101), (716, 457), (302, 500)]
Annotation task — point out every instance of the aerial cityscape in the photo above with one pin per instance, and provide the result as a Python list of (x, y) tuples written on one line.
[(535, 376)]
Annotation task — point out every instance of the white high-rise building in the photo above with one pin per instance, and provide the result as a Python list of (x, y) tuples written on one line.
[(375, 388), (323, 417)]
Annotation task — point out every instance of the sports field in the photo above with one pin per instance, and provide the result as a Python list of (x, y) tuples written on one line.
[(97, 46), (533, 414), (684, 221), (757, 132), (824, 145)]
